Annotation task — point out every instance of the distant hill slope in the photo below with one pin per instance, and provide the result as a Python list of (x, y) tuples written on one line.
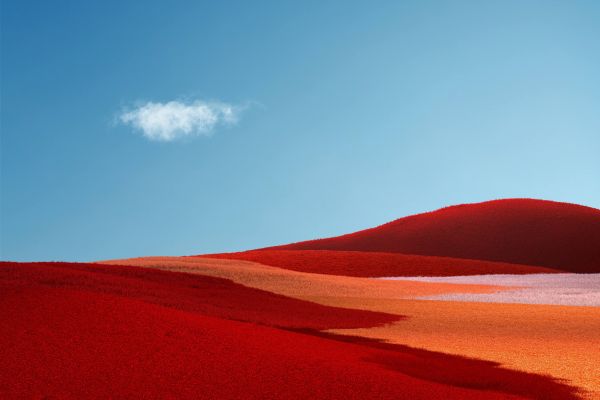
[(374, 264), (520, 231)]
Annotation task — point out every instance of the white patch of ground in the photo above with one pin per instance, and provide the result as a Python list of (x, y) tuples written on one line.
[(555, 289)]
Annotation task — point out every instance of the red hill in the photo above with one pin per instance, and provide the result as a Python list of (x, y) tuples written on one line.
[(520, 231)]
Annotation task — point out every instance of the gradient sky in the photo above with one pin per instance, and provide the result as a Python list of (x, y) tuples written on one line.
[(355, 113)]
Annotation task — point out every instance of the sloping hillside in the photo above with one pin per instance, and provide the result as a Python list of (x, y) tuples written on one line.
[(520, 231)]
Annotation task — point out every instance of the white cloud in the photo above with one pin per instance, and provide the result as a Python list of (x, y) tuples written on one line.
[(177, 119)]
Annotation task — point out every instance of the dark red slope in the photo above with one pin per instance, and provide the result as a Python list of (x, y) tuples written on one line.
[(520, 231), (66, 338), (373, 264), (64, 343), (193, 293)]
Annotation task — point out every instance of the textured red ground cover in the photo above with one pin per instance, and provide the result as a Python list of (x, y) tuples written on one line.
[(521, 231), (193, 293), (373, 264), (90, 331)]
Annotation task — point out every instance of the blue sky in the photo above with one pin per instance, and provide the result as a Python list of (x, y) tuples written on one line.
[(347, 115)]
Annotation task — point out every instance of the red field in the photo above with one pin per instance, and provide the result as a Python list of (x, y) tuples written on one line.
[(290, 325), (521, 231), (89, 331), (208, 296), (373, 264)]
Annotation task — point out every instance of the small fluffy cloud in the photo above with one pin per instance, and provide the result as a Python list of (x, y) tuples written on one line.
[(177, 119)]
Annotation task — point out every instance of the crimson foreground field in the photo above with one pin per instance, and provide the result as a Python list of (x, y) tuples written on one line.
[(90, 331), (311, 320)]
